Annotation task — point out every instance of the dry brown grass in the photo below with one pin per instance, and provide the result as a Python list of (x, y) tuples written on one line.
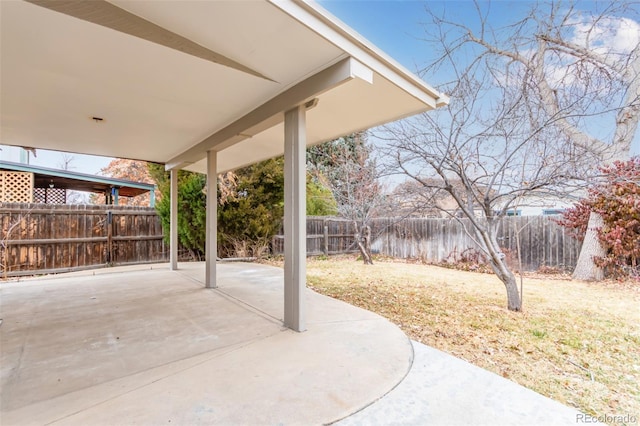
[(575, 342)]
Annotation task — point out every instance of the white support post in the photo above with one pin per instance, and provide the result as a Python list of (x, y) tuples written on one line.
[(173, 221), (212, 219), (295, 219)]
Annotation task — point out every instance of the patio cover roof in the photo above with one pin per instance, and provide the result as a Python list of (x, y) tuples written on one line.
[(67, 179), (208, 86), (168, 81)]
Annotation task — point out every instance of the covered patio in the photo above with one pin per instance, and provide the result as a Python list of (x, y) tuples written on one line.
[(205, 86)]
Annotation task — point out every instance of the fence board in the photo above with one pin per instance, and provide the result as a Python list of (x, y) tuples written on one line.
[(39, 238)]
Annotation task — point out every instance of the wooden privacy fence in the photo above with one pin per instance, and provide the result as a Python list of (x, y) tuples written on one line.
[(45, 238), (325, 235), (542, 241)]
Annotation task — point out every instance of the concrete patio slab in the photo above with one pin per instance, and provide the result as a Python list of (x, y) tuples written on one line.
[(441, 389), (145, 345)]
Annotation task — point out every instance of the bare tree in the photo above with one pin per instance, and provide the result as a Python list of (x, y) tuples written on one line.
[(483, 151), (66, 162), (577, 70), (10, 226), (425, 199), (346, 167), (73, 197), (7, 231)]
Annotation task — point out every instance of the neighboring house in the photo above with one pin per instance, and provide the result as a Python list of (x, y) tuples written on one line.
[(24, 183), (542, 205), (413, 199)]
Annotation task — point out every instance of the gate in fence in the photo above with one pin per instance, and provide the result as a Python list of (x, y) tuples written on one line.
[(45, 238)]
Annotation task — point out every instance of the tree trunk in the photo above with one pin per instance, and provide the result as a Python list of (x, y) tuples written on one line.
[(366, 232), (490, 246), (586, 268), (363, 239), (514, 302)]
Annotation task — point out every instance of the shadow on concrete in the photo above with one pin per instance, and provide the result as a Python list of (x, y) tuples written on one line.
[(146, 345)]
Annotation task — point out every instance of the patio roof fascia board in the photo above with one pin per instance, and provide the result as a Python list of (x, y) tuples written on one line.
[(272, 112), (318, 19), (18, 167)]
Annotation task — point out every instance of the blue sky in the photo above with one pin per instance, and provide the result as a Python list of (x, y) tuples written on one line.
[(396, 27), (393, 26)]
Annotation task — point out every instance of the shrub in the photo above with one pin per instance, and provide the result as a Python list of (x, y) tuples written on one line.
[(616, 197)]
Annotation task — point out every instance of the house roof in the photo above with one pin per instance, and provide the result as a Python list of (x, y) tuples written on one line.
[(66, 179), (167, 81)]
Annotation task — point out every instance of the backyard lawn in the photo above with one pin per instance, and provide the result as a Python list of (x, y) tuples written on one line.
[(575, 342)]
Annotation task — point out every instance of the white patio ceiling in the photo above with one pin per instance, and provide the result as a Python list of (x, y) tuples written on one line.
[(170, 79)]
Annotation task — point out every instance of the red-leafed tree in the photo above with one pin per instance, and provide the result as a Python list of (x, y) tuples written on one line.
[(616, 198), (133, 170)]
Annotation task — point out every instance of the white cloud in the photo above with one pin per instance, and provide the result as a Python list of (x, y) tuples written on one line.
[(613, 37), (607, 35)]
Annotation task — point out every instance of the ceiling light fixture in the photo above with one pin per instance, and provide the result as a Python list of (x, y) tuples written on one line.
[(311, 104)]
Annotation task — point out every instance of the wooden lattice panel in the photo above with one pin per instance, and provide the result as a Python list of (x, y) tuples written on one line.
[(16, 187), (39, 195), (50, 195)]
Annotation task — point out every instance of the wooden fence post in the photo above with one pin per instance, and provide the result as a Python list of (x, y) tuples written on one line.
[(326, 240), (109, 237)]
